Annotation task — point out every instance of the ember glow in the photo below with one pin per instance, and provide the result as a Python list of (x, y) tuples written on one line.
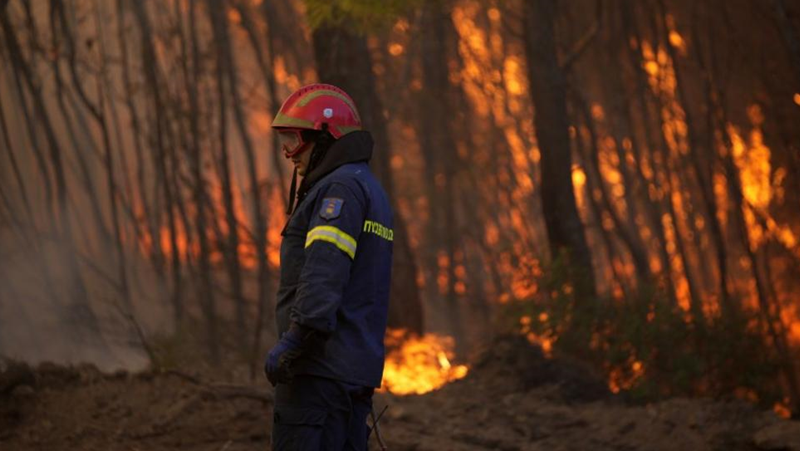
[(544, 340), (417, 365), (625, 378)]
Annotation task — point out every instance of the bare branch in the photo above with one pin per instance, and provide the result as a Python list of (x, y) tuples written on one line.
[(584, 42)]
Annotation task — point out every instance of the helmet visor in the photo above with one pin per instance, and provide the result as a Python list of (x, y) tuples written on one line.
[(291, 142)]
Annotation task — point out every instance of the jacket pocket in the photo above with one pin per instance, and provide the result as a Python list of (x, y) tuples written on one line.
[(297, 429)]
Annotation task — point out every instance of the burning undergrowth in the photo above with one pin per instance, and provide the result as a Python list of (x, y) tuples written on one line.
[(419, 364), (516, 397)]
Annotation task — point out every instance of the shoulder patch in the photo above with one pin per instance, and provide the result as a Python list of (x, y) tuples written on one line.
[(331, 208)]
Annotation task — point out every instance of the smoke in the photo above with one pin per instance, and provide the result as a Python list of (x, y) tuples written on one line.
[(52, 312)]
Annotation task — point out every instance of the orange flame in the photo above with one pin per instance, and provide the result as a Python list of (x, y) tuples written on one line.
[(625, 378), (782, 409), (417, 365), (188, 247), (545, 341)]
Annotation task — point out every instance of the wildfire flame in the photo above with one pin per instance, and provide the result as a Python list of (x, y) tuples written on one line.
[(417, 365), (494, 82), (782, 410)]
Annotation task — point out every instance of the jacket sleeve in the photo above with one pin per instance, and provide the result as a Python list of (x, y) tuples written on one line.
[(330, 248)]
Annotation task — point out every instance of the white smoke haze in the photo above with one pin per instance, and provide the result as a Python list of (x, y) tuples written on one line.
[(43, 320), (64, 295)]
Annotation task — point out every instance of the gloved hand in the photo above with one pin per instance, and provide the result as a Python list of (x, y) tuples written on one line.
[(281, 356)]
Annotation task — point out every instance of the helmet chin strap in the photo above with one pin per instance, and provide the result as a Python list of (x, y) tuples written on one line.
[(292, 192)]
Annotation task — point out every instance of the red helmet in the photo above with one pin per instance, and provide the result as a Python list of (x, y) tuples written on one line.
[(313, 105)]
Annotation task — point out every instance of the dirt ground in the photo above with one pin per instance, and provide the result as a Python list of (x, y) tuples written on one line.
[(513, 399)]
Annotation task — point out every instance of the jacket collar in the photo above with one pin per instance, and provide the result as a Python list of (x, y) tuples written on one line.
[(353, 147)]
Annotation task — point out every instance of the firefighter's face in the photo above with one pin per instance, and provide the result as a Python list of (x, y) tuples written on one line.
[(301, 160), (296, 150)]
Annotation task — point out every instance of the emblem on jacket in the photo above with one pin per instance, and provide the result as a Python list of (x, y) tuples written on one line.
[(331, 207)]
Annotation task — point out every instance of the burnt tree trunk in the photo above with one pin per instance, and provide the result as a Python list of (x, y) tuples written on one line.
[(265, 64), (548, 85), (155, 252), (199, 193), (768, 310), (617, 98), (594, 181), (157, 108), (231, 77), (438, 146), (88, 181), (655, 205), (98, 114), (218, 19), (705, 169), (694, 147)]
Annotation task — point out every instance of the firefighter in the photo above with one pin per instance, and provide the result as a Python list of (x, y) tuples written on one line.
[(333, 296)]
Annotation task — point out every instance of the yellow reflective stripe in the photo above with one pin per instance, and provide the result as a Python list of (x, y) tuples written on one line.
[(325, 92), (335, 236), (282, 120)]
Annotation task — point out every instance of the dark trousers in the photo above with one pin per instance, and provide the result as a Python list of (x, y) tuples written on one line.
[(315, 413)]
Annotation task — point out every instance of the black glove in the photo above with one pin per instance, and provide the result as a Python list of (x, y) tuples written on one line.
[(279, 360)]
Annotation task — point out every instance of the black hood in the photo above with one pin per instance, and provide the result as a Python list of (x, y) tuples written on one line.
[(353, 147)]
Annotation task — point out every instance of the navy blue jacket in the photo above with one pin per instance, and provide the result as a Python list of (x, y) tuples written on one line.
[(336, 259)]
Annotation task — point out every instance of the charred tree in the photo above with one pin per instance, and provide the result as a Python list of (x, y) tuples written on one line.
[(594, 178), (706, 169), (767, 308), (548, 86), (273, 19), (157, 110), (594, 181), (641, 105), (88, 181), (265, 65), (230, 248), (672, 176), (98, 114), (226, 54), (149, 220), (438, 146), (617, 98), (626, 232), (199, 193)]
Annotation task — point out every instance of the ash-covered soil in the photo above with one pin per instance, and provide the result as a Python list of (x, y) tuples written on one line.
[(513, 399)]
